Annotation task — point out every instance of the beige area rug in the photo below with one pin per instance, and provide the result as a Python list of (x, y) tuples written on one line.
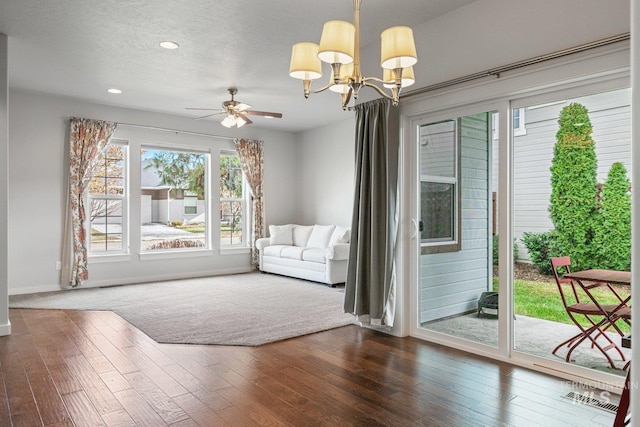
[(244, 309)]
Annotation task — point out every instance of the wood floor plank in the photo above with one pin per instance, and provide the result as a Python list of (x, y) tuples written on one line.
[(162, 404), (82, 410), (98, 392), (64, 368), (200, 413), (138, 408)]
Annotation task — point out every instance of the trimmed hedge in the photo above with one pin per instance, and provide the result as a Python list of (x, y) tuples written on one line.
[(612, 235), (574, 188)]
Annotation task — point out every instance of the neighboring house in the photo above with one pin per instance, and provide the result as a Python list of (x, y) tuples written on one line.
[(535, 130), (162, 204)]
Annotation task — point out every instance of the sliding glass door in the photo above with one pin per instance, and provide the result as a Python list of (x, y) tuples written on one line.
[(572, 163), (456, 293)]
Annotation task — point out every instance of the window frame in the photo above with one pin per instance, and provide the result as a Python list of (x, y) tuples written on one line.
[(453, 244), (123, 198), (245, 201)]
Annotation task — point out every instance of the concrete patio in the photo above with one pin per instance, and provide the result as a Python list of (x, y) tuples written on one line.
[(534, 336)]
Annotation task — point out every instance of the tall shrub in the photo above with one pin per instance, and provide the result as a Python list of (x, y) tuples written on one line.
[(612, 238), (574, 187)]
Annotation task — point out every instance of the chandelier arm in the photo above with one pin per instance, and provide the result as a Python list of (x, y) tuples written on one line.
[(380, 91), (322, 89)]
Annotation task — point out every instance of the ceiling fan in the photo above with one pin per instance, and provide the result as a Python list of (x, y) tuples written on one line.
[(236, 112)]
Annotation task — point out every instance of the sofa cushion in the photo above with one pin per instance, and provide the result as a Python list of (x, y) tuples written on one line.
[(340, 235), (320, 236), (301, 234), (315, 255), (293, 252), (281, 234), (274, 250)]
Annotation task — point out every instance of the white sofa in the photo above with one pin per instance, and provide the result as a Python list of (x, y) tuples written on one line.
[(311, 252)]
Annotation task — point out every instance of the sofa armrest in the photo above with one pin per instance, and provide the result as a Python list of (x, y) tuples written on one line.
[(262, 243), (338, 252)]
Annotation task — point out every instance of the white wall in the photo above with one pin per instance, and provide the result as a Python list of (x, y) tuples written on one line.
[(38, 134), (490, 33), (325, 165)]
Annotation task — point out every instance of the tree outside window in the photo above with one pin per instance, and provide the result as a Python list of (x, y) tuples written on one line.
[(232, 201), (107, 202), (173, 186)]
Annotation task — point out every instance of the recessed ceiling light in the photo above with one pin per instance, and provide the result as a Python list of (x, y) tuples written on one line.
[(114, 90), (168, 44)]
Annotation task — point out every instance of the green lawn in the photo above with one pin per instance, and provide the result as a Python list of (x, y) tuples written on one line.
[(192, 228), (542, 300)]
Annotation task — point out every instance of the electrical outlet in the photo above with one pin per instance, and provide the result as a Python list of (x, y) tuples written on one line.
[(58, 265)]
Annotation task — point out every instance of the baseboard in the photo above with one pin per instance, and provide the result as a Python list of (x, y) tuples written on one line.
[(5, 329), (132, 280), (34, 289)]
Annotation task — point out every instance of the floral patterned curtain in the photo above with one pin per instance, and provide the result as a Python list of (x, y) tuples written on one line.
[(88, 139), (251, 157)]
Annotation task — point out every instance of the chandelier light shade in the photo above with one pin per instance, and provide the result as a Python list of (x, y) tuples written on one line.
[(406, 80), (337, 42), (305, 64), (398, 49), (340, 47)]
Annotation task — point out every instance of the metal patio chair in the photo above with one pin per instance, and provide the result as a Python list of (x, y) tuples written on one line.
[(577, 308)]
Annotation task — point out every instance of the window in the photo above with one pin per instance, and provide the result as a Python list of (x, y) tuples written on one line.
[(233, 201), (190, 205), (439, 186), (173, 199), (108, 202), (519, 125)]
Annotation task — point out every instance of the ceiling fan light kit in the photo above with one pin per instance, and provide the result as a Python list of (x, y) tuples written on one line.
[(340, 47)]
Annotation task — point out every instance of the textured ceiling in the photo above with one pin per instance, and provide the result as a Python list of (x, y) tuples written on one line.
[(80, 48)]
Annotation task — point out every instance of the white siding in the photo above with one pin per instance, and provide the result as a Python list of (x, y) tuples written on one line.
[(610, 117), (450, 283)]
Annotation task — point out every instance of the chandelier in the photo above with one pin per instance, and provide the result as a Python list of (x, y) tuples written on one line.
[(340, 47)]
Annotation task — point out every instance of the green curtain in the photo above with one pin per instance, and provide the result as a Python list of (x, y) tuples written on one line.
[(370, 286)]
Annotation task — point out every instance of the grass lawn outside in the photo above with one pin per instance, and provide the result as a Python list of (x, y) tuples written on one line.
[(192, 228), (541, 299)]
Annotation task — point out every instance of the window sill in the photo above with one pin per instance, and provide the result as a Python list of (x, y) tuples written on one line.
[(99, 259), (147, 256), (235, 251)]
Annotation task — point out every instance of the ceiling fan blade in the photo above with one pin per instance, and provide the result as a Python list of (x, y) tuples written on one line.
[(263, 113), (245, 118), (208, 115), (203, 109)]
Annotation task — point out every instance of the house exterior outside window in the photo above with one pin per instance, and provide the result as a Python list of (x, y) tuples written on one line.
[(107, 203), (439, 187)]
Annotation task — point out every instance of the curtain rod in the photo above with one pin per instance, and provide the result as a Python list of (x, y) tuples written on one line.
[(186, 132), (520, 64)]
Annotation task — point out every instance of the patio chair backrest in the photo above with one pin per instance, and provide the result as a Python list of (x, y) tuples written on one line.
[(561, 266)]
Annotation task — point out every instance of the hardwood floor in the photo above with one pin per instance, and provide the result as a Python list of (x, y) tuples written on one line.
[(65, 368)]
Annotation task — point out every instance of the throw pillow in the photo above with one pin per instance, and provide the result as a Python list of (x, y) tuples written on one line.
[(281, 234), (320, 236), (301, 234), (340, 235)]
